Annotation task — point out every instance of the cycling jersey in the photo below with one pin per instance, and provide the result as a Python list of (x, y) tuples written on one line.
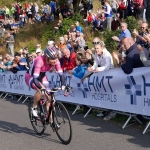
[(35, 76)]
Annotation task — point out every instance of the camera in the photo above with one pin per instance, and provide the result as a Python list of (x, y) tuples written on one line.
[(86, 47)]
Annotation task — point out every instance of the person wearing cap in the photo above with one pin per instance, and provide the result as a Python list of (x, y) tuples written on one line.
[(50, 43), (78, 27), (39, 52)]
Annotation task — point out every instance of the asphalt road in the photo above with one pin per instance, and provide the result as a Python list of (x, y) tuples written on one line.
[(91, 133)]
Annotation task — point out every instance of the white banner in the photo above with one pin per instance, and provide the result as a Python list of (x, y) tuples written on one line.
[(111, 89)]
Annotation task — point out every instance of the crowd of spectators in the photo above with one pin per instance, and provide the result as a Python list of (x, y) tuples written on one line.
[(111, 12), (73, 52)]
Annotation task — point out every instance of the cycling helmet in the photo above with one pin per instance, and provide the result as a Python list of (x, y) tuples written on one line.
[(51, 52)]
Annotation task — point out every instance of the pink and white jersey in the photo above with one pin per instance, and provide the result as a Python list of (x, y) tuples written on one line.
[(40, 66)]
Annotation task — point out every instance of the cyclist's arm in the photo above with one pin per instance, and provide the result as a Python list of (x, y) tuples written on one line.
[(60, 72), (37, 70)]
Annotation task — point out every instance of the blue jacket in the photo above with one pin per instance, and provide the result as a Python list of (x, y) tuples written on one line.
[(79, 28), (79, 71), (133, 59)]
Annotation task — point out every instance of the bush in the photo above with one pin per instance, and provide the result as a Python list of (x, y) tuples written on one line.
[(110, 44), (132, 23)]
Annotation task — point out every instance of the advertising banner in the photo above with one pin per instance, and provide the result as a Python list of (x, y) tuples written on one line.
[(112, 89)]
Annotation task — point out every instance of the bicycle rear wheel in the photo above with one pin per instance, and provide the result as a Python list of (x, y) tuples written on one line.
[(62, 123), (37, 122)]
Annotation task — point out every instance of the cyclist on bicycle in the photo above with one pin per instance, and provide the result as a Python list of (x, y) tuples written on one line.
[(36, 78)]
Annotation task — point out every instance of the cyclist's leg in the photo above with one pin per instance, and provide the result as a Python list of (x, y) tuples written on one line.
[(46, 84), (37, 95), (36, 98)]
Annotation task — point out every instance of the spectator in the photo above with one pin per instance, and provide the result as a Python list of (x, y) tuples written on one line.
[(139, 37), (7, 62), (108, 15), (115, 6), (89, 58), (102, 61), (79, 71), (133, 57), (7, 12), (1, 63), (136, 7), (102, 58), (123, 9), (124, 33), (81, 42), (52, 6), (68, 59), (38, 45), (39, 52), (89, 18), (115, 23), (36, 8), (75, 2), (50, 43), (62, 43), (10, 43), (78, 27), (143, 57), (147, 9), (21, 62), (72, 29)]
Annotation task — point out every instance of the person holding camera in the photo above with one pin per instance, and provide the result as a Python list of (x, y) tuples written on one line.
[(139, 37)]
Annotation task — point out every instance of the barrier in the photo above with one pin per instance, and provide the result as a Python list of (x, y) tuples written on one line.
[(112, 89)]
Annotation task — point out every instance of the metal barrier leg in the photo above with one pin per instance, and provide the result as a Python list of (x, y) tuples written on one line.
[(25, 99), (76, 109), (20, 98), (87, 112), (125, 125), (5, 96), (1, 94), (145, 130), (137, 120)]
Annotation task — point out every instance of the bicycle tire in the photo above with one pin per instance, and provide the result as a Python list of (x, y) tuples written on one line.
[(37, 123), (61, 118)]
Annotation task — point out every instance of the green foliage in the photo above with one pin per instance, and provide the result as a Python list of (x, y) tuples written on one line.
[(110, 44), (132, 23)]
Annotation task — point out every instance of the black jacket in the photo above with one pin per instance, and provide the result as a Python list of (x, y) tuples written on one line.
[(133, 59)]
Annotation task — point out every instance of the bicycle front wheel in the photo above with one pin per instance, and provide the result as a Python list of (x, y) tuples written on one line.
[(62, 123), (37, 122)]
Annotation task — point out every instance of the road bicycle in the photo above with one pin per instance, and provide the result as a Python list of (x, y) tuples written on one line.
[(57, 117)]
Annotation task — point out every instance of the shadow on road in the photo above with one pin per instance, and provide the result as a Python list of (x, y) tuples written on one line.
[(14, 128), (96, 124)]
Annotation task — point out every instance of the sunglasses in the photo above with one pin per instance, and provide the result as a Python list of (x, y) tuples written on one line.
[(95, 42), (142, 27)]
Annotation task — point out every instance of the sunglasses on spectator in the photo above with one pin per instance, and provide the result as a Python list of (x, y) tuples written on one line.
[(142, 27), (95, 42)]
